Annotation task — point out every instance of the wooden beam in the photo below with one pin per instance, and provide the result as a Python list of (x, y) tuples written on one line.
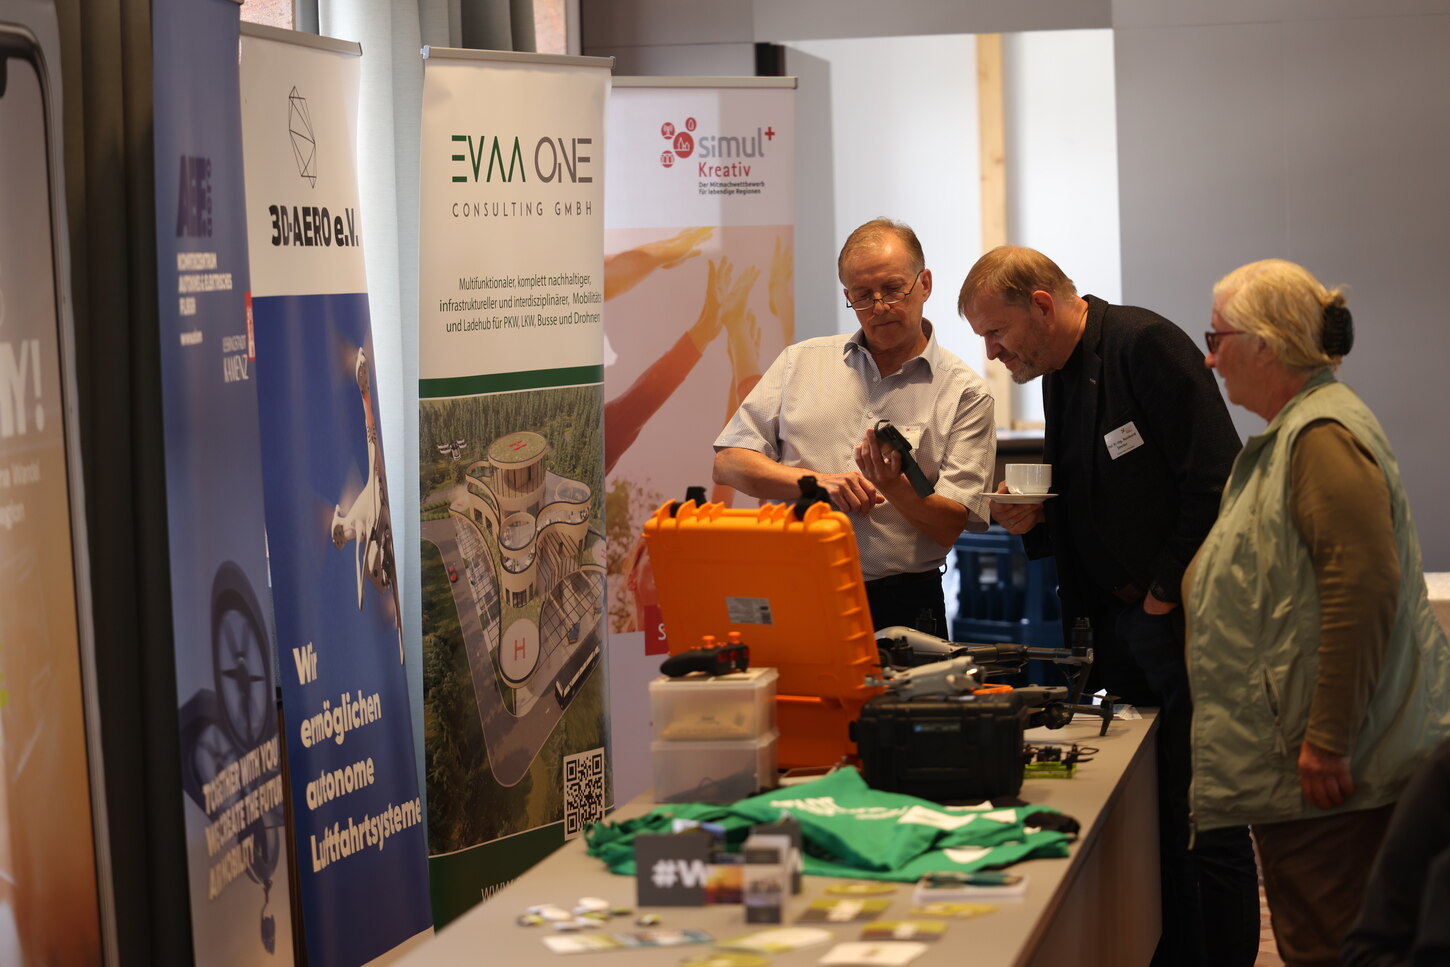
[(992, 140)]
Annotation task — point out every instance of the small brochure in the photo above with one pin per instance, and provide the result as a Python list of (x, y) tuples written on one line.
[(843, 910), (922, 930), (580, 943), (955, 885), (870, 954)]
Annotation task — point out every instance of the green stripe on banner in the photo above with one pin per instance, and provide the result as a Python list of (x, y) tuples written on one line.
[(432, 389)]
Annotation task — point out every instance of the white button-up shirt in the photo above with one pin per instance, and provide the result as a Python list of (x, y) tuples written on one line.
[(819, 397)]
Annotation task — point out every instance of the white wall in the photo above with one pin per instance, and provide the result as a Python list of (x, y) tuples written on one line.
[(1062, 158), (1319, 140), (895, 132)]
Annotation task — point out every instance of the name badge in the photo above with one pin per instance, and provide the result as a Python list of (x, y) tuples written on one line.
[(1125, 439), (912, 434)]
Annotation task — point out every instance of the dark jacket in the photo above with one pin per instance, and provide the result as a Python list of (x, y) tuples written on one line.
[(1149, 509)]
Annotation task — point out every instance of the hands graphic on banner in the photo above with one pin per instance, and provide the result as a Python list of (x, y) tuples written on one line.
[(725, 305), (782, 289), (624, 270)]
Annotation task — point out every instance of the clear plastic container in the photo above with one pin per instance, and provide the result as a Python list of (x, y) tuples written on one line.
[(714, 709), (719, 772)]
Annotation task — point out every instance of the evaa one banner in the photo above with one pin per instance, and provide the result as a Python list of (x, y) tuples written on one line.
[(510, 461)]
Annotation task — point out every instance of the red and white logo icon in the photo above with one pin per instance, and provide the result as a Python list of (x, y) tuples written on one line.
[(682, 143)]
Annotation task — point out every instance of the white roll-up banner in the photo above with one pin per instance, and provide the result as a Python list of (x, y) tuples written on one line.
[(699, 289), (511, 461)]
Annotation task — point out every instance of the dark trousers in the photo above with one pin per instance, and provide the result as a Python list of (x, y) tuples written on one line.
[(912, 600), (1315, 872), (1210, 894)]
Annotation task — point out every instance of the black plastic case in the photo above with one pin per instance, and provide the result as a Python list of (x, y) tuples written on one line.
[(961, 748)]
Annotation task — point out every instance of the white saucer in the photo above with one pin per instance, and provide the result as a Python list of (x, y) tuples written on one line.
[(1019, 498)]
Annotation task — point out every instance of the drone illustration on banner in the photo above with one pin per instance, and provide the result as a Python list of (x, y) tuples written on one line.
[(368, 522)]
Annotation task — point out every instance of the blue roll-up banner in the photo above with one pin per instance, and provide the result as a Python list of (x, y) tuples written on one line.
[(221, 607), (362, 874)]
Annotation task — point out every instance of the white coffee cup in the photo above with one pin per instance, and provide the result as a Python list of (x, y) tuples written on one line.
[(1029, 478)]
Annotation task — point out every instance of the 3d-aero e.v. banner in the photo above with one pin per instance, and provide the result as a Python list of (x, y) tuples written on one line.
[(699, 290), (221, 607), (510, 461), (362, 875)]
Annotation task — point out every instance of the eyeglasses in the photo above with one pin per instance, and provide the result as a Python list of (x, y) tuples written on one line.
[(1213, 337), (887, 297)]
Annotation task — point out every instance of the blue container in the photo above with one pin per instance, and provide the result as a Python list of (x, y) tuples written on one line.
[(1003, 596)]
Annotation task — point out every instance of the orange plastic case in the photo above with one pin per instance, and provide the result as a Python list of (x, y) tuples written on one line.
[(793, 590)]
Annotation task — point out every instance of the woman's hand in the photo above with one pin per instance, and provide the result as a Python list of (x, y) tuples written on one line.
[(1324, 776)]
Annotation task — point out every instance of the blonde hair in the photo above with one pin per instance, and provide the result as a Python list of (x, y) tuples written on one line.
[(1013, 274), (1286, 306)]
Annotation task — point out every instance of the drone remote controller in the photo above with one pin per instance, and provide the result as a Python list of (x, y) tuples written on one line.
[(893, 438), (712, 660)]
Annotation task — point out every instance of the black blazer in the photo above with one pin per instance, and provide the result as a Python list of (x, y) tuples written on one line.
[(1151, 507)]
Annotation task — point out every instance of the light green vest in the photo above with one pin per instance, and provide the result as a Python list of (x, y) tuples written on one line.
[(1253, 636)]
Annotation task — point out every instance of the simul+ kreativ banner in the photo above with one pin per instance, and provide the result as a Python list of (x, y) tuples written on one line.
[(50, 845), (699, 290), (510, 461), (221, 606), (362, 875)]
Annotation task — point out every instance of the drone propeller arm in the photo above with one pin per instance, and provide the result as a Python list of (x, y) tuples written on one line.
[(357, 559)]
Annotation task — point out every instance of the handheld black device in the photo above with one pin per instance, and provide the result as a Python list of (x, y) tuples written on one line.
[(714, 660), (893, 438)]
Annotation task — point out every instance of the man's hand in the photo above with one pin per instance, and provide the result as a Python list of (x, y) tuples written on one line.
[(850, 492), (880, 463), (1152, 605), (1016, 518), (1324, 777)]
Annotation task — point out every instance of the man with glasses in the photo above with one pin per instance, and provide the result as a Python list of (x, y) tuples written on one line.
[(1140, 444), (816, 409)]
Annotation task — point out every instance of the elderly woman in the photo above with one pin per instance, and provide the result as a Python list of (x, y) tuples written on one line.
[(1319, 673)]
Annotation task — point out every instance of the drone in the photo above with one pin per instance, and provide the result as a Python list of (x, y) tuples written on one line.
[(454, 449), (368, 521), (918, 665)]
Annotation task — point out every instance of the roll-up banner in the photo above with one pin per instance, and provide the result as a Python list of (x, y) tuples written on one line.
[(362, 873), (51, 826), (699, 290), (221, 606), (511, 461)]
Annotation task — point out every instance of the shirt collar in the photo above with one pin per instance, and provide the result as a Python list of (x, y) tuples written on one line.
[(930, 355)]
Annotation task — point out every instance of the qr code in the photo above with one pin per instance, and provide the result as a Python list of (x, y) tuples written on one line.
[(583, 791)]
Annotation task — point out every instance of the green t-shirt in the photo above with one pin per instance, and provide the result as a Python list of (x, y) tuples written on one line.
[(849, 829)]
